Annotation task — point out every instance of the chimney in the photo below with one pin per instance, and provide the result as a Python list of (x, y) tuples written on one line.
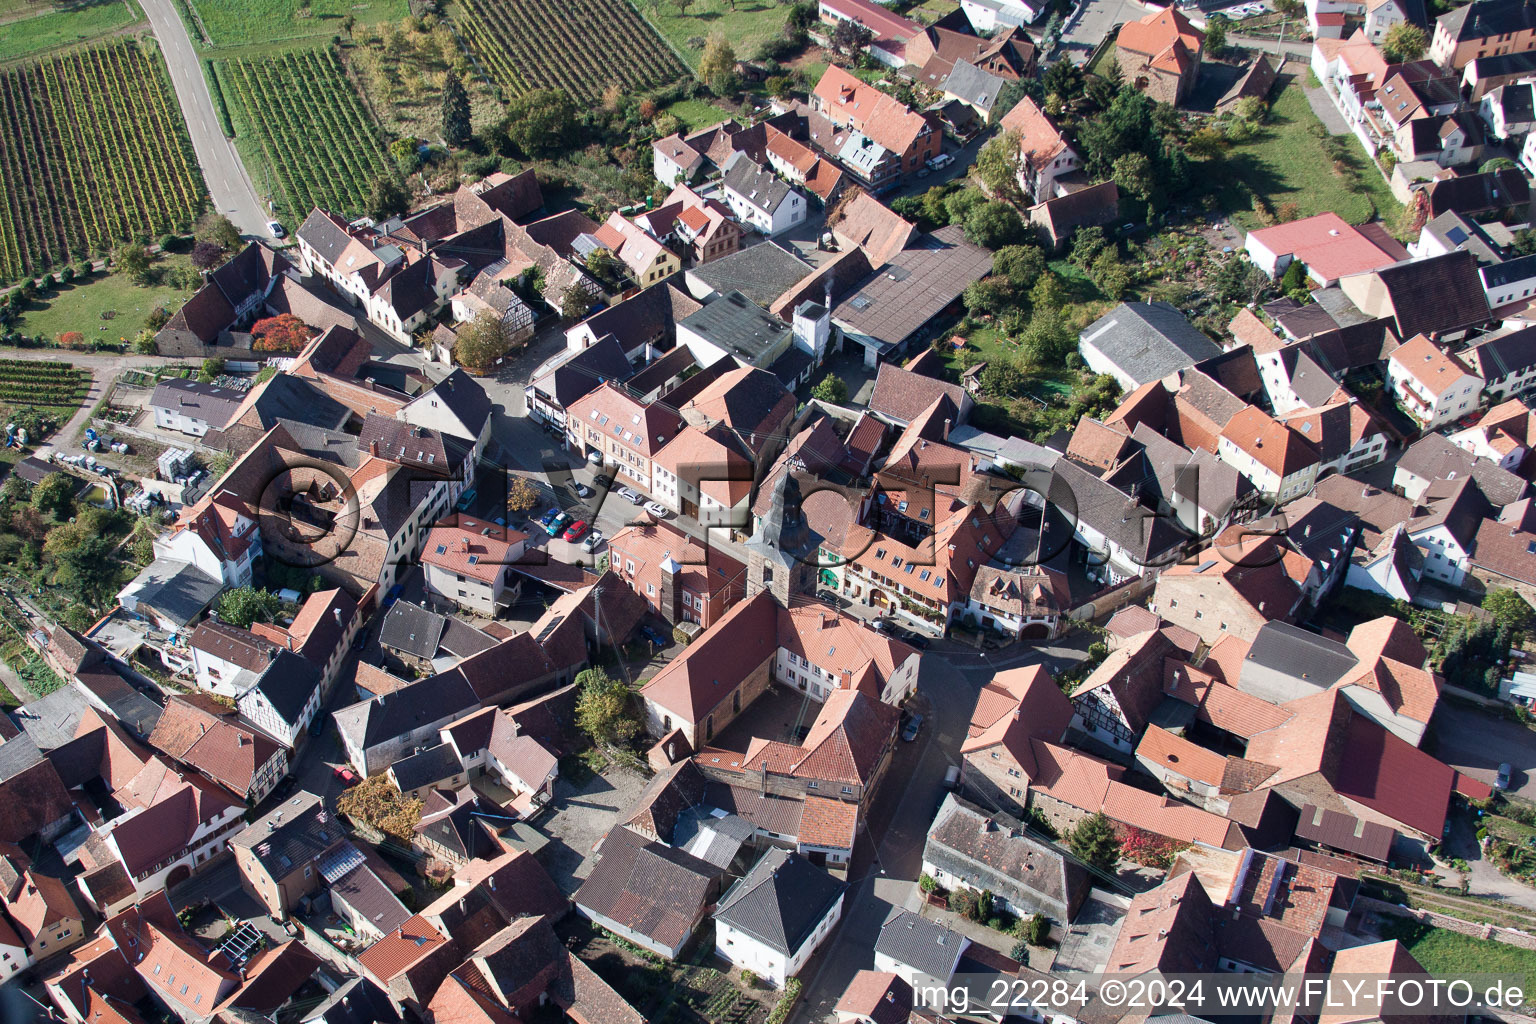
[(946, 428), (373, 448), (765, 778), (490, 883)]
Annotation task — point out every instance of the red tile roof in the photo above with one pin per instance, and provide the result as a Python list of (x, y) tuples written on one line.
[(710, 669), (1329, 246), (461, 545)]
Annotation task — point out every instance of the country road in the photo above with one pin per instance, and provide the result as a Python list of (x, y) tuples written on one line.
[(228, 183)]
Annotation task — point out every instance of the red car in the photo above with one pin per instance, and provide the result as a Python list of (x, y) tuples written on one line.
[(347, 776), (577, 529)]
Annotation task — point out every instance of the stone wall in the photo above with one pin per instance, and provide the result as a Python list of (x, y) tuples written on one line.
[(1511, 936)]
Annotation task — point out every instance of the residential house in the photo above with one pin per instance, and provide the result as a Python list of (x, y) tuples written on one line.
[(968, 847), (704, 226), (321, 634), (1488, 28), (522, 764), (801, 165), (922, 952), (1450, 231), (646, 258), (889, 32), (427, 769), (642, 325), (174, 824), (468, 563), (1509, 111), (1160, 54), (254, 281), (1022, 603), (204, 734), (45, 917), (773, 918), (1486, 195), (1327, 246), (1327, 18), (1275, 456), (1435, 387), (1434, 458), (1044, 152), (1509, 282), (192, 407), (1441, 295), (1217, 597), (622, 434), (911, 137), (1140, 342), (680, 579), (284, 854), (549, 394), (759, 199), (1503, 435), (219, 538)]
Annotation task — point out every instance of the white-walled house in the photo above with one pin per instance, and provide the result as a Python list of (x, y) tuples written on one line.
[(774, 917), (1511, 281), (922, 952), (759, 199), (192, 407), (166, 842), (1326, 18), (221, 539), (1506, 362), (1435, 388), (1273, 456)]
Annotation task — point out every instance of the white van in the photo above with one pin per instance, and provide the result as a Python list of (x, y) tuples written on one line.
[(941, 161)]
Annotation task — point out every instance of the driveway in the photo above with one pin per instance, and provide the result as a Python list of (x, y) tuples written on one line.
[(233, 194), (1475, 742), (581, 816), (1094, 20)]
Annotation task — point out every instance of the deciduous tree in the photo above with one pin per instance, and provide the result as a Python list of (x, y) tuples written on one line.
[(133, 260), (282, 333), (717, 67), (1404, 42), (207, 255), (218, 229), (482, 341), (605, 708), (831, 388), (242, 606)]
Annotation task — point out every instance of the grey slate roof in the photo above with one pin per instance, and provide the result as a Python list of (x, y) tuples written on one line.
[(1077, 495), (1499, 355), (178, 591), (992, 852), (973, 85), (1454, 231), (738, 325), (563, 384), (412, 629), (1501, 274), (291, 834), (288, 683), (1149, 340), (464, 398), (212, 405), (434, 764), (1432, 457), (1300, 654), (357, 1001), (433, 699), (926, 946), (656, 890), (1311, 382), (780, 901), (755, 184), (760, 272), (914, 287)]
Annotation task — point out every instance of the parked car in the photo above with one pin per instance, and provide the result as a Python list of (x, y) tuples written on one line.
[(582, 490), (657, 509), (467, 499), (278, 231), (393, 595), (347, 776), (634, 496), (907, 636), (556, 524), (655, 637), (602, 480), (595, 458), (913, 724), (577, 529), (1502, 781), (594, 539)]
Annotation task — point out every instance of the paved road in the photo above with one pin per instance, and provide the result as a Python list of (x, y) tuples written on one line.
[(1477, 742), (228, 184)]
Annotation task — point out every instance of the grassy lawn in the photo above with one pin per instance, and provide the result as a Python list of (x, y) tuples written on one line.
[(752, 23), (52, 27), (243, 22), (1285, 163), (1102, 61), (79, 307), (1444, 952), (696, 114)]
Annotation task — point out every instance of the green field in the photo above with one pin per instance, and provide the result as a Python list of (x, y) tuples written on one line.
[(42, 27), (246, 22), (696, 114), (79, 307), (1285, 163), (299, 117), (752, 23), (1444, 952)]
